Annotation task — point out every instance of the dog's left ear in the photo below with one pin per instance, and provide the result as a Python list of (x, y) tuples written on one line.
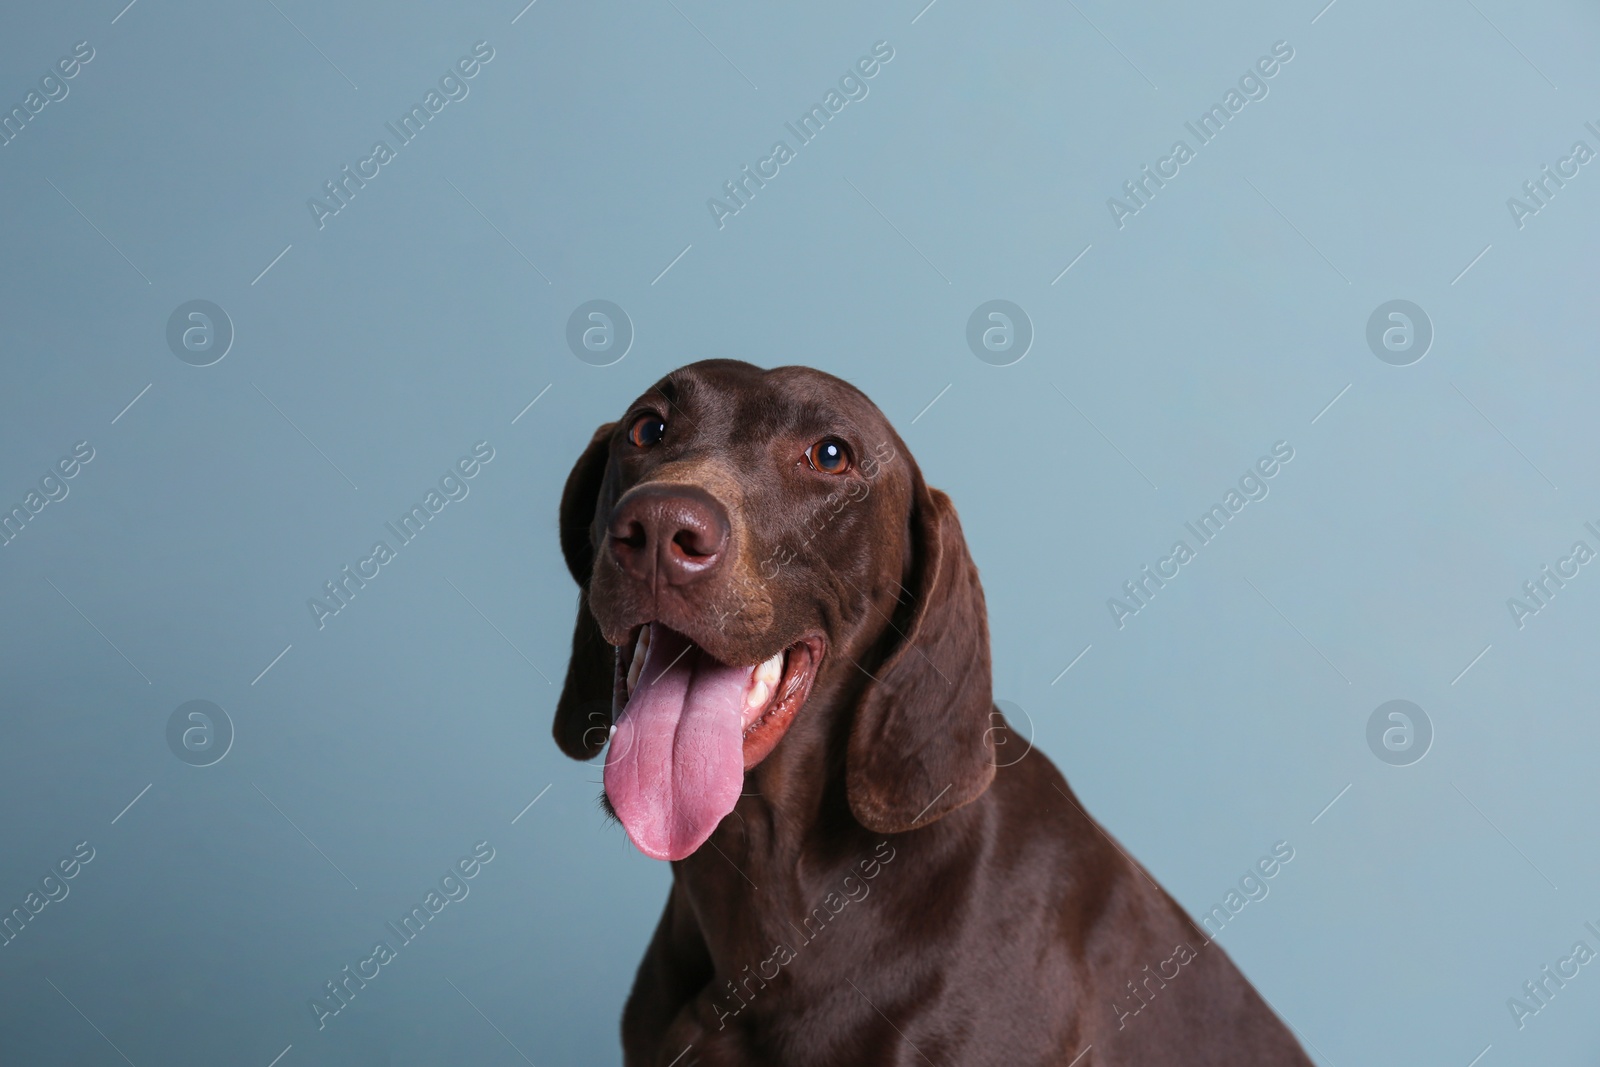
[(921, 745), (583, 712)]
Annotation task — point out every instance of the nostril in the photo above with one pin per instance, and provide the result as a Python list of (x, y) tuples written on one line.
[(690, 543), (633, 536)]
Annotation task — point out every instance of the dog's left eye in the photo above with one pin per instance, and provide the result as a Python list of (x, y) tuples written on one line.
[(647, 430), (829, 455)]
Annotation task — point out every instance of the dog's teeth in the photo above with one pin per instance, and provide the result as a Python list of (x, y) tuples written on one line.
[(637, 665), (757, 697), (770, 670)]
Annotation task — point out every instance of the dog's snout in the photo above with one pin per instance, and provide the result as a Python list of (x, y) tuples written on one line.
[(679, 532)]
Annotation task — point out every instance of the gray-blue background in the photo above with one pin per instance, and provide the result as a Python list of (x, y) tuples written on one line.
[(428, 313)]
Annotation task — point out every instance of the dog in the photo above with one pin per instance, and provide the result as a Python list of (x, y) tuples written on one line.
[(782, 644)]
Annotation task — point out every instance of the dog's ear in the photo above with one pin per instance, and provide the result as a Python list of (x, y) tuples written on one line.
[(922, 741), (583, 712)]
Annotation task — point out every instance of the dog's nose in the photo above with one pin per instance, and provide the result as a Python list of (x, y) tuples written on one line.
[(677, 531)]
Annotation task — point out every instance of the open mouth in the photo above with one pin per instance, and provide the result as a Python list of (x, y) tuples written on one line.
[(687, 728)]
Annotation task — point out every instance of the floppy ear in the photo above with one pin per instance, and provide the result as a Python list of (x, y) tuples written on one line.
[(583, 712), (921, 744)]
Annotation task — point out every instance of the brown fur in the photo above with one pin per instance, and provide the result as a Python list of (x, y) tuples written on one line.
[(999, 924)]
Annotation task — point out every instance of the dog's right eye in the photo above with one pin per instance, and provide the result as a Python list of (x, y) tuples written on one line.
[(647, 429)]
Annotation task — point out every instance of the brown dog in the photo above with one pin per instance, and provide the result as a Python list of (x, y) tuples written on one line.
[(782, 635)]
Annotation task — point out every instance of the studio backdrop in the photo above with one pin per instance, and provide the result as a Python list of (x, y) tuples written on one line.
[(1254, 343)]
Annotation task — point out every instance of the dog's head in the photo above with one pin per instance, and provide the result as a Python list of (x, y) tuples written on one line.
[(738, 535)]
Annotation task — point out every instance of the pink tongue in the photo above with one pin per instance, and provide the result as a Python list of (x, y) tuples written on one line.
[(676, 762)]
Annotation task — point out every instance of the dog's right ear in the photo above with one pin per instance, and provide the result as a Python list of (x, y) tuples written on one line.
[(583, 712)]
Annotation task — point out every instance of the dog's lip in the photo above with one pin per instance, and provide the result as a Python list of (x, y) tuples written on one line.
[(801, 662)]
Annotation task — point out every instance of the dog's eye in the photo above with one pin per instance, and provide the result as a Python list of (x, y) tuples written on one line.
[(647, 430), (829, 455)]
